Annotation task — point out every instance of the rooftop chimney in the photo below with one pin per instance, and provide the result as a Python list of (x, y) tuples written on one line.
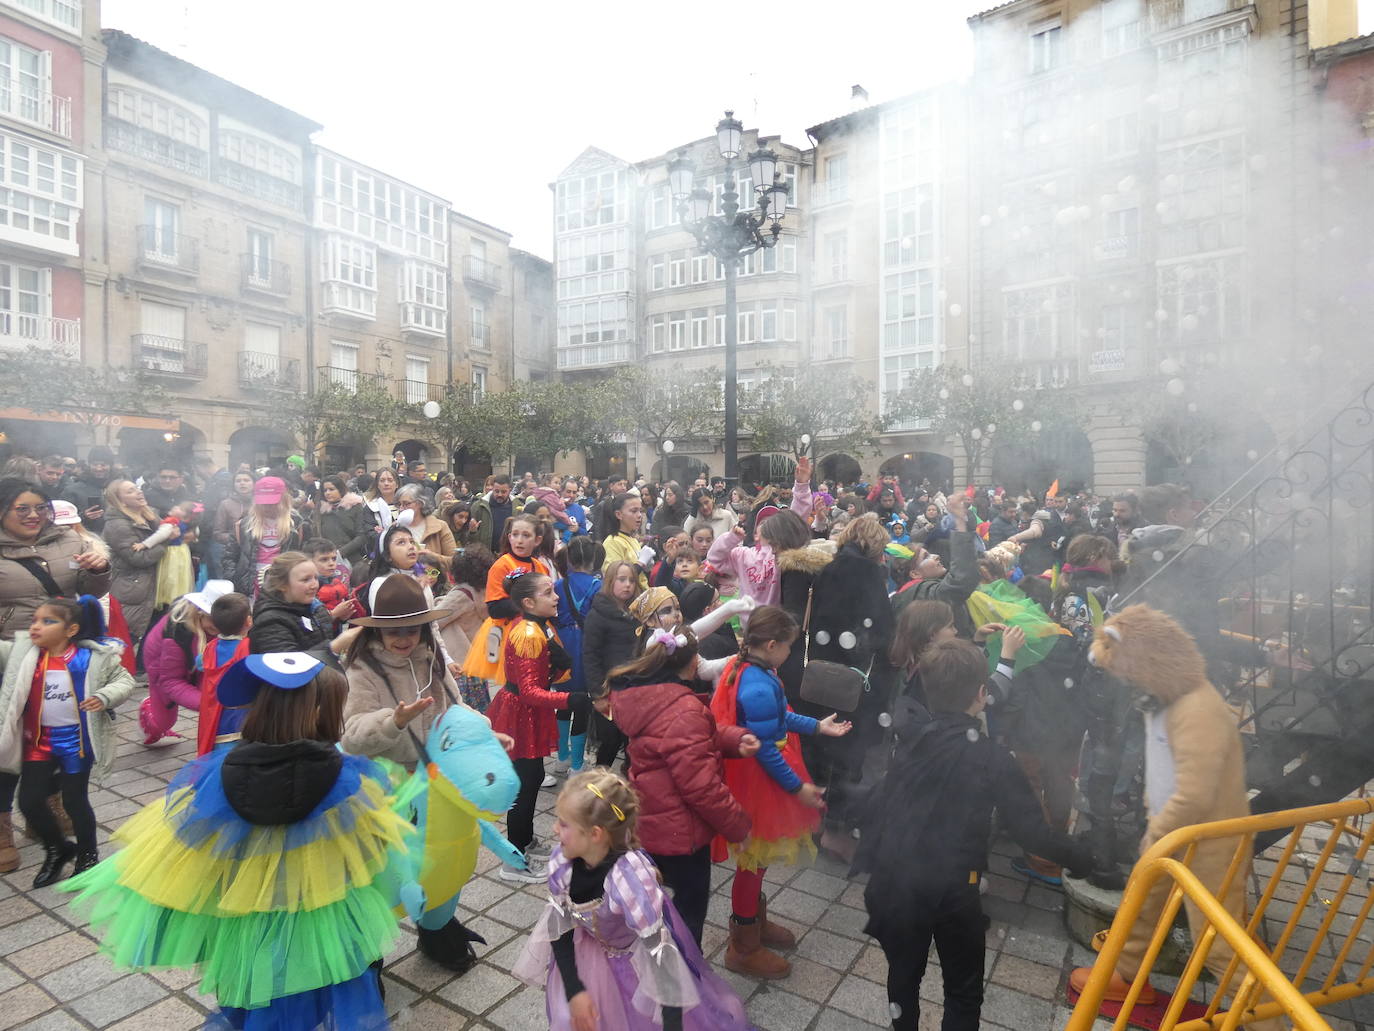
[(858, 94)]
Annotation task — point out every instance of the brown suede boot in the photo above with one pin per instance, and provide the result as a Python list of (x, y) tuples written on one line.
[(775, 936), (58, 810), (9, 855), (746, 955)]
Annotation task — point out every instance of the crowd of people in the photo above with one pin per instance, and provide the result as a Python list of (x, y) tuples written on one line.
[(679, 651)]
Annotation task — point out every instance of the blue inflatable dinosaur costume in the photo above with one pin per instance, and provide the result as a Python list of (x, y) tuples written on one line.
[(461, 786)]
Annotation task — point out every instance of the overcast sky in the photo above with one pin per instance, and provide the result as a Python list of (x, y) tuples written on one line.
[(484, 103)]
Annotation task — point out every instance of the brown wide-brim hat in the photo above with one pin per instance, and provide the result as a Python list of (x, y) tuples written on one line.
[(397, 601)]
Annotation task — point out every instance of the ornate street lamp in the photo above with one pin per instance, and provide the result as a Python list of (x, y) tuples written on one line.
[(745, 225)]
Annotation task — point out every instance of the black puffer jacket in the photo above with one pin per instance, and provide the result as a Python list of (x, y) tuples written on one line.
[(608, 639), (273, 785), (283, 626)]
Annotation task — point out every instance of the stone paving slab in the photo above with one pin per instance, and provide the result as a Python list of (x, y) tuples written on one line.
[(52, 978)]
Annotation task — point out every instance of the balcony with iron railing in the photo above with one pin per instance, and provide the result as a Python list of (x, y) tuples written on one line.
[(265, 276), (163, 251), (258, 371), (417, 392), (170, 356), (831, 191), (1042, 373), (1171, 14), (479, 336), (37, 107), (333, 376), (480, 272), (341, 298), (423, 319), (59, 337)]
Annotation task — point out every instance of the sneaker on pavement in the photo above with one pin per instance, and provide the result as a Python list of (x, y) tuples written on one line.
[(561, 767), (550, 781), (539, 851), (514, 875)]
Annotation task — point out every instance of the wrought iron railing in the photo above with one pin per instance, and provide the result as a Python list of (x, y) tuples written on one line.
[(170, 356), (482, 272), (417, 392), (1287, 550), (265, 275), (259, 371), (162, 249), (346, 379)]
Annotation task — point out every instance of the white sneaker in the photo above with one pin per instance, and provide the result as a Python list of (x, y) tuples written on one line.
[(534, 875), (550, 781), (561, 767)]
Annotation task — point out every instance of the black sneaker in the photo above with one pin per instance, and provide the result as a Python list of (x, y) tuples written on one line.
[(55, 857)]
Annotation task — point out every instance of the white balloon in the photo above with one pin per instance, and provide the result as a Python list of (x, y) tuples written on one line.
[(431, 409), (668, 447)]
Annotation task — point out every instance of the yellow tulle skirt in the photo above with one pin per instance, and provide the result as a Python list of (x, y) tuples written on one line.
[(175, 577)]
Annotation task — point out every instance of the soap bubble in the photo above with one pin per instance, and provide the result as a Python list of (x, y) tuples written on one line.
[(1252, 455), (944, 393), (884, 719), (956, 310), (1018, 405), (894, 1011), (1035, 425), (985, 220), (848, 640), (972, 734), (1157, 555), (868, 623), (1168, 367), (822, 636), (1175, 387), (1315, 781), (968, 379), (1003, 211), (1068, 683), (976, 433)]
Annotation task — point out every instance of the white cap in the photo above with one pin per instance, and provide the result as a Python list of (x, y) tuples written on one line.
[(64, 513), (214, 590)]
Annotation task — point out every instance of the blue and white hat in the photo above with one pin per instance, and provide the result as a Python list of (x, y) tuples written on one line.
[(284, 670)]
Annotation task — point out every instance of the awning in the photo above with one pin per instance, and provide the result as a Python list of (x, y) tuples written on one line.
[(81, 418)]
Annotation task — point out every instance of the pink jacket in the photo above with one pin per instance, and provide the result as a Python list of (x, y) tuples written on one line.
[(552, 497), (756, 569), (171, 672)]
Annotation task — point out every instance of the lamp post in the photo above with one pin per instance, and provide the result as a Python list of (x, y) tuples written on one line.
[(737, 231)]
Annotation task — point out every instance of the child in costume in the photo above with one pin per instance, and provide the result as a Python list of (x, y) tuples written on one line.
[(610, 946), (61, 680), (524, 709), (519, 543), (171, 655), (175, 575), (271, 868), (232, 616), (575, 593), (773, 787)]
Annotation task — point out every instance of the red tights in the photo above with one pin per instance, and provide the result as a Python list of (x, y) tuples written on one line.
[(744, 893)]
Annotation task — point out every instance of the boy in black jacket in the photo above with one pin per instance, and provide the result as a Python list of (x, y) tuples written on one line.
[(926, 846)]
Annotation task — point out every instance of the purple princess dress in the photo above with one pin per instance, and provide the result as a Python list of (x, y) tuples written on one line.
[(634, 954)]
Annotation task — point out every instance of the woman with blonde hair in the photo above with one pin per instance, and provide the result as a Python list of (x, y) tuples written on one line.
[(129, 521), (381, 498), (269, 528)]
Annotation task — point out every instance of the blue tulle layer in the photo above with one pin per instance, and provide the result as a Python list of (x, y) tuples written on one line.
[(354, 1005), (210, 818)]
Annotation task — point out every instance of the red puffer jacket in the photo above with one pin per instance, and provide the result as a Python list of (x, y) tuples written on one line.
[(676, 765)]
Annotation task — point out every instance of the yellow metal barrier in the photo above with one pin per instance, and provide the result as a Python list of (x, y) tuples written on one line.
[(1263, 979)]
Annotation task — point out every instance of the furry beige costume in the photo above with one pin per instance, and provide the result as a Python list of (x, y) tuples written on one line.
[(1194, 769)]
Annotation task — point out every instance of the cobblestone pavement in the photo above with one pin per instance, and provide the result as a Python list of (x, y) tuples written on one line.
[(52, 978)]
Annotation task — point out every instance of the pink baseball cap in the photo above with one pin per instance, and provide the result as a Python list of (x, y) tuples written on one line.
[(268, 490)]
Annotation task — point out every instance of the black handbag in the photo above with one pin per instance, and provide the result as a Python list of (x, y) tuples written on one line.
[(826, 684)]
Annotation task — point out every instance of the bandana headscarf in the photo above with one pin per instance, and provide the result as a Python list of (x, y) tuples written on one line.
[(649, 602)]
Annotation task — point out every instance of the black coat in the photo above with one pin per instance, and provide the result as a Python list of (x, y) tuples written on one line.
[(240, 554), (283, 626), (954, 588), (930, 822), (351, 529), (797, 570), (608, 639)]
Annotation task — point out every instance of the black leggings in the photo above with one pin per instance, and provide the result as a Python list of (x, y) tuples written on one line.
[(37, 783), (609, 740), (8, 782), (690, 878), (520, 819)]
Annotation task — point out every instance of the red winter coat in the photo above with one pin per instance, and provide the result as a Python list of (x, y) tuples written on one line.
[(676, 766)]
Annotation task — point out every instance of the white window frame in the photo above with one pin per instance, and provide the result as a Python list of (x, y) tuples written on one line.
[(479, 382), (700, 335), (658, 278), (701, 268), (1046, 50), (677, 331), (677, 272)]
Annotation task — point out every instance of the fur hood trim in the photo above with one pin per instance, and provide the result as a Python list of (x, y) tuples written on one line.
[(350, 500), (803, 560), (1150, 651)]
